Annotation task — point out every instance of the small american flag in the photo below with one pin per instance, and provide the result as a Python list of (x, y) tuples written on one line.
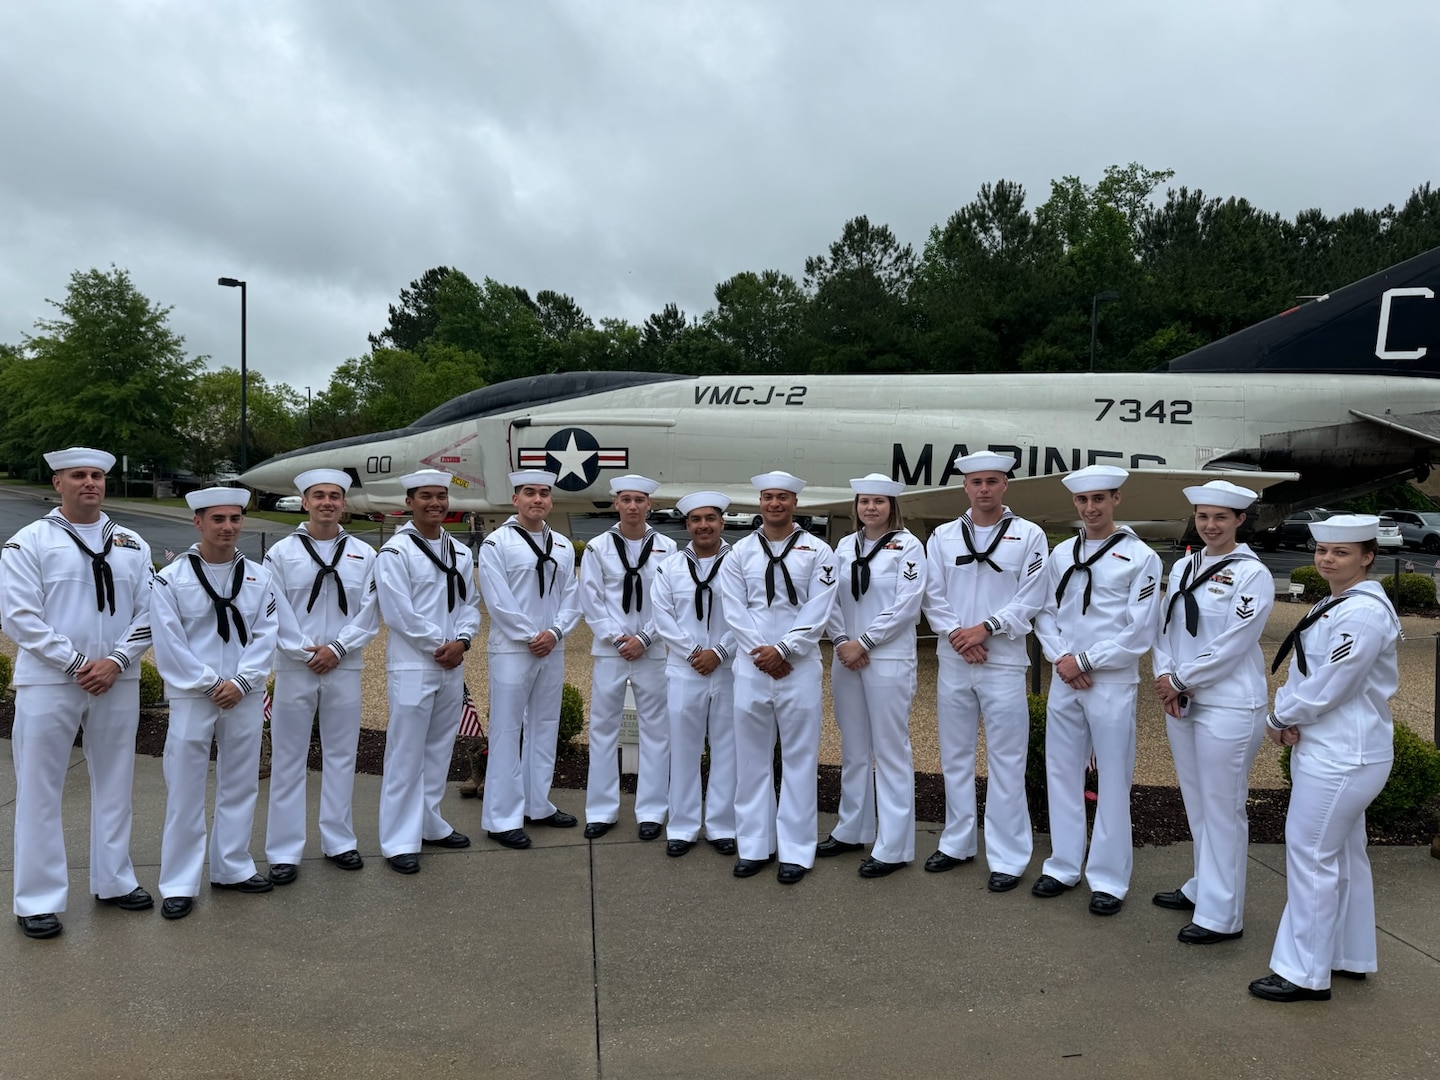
[(267, 706), (469, 718)]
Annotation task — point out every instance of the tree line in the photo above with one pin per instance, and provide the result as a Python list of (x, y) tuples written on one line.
[(998, 287)]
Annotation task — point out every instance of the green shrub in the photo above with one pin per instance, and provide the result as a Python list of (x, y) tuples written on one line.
[(572, 713), (152, 686), (1316, 587), (7, 672), (1035, 762), (1417, 591), (579, 546), (1414, 778)]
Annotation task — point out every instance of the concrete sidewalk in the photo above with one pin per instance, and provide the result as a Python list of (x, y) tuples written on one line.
[(608, 959)]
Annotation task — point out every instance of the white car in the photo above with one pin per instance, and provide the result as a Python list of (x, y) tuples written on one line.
[(289, 504), (741, 519), (1388, 537)]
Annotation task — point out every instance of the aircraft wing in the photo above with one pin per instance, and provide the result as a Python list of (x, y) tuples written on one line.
[(1421, 425)]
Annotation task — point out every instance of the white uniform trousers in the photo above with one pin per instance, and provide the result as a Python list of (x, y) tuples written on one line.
[(1214, 748), (763, 708), (46, 719), (607, 699), (965, 692), (1329, 920), (1102, 718), (523, 729), (419, 743), (877, 768), (194, 722), (299, 693), (701, 704)]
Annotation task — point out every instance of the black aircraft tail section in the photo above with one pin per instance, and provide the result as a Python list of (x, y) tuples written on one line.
[(1385, 324)]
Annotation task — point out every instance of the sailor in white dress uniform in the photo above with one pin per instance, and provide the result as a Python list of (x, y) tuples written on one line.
[(617, 582), (214, 617), (329, 612), (986, 584), (881, 568), (1334, 710), (778, 588), (699, 671), (1101, 617), (75, 598), (426, 586), (1210, 678), (527, 577)]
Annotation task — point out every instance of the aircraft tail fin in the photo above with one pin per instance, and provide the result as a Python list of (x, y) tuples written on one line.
[(1385, 324)]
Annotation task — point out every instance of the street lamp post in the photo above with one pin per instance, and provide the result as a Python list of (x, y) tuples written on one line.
[(1095, 302), (233, 283)]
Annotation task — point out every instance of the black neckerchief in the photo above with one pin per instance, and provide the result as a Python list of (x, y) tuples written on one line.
[(1078, 563), (454, 580), (982, 556), (1187, 589), (223, 603), (541, 557), (780, 561), (326, 570), (860, 568), (1293, 639), (703, 588), (104, 578), (634, 587)]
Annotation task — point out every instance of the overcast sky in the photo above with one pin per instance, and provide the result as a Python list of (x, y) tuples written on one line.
[(636, 153)]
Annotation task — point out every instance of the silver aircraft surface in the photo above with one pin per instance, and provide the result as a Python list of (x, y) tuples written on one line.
[(1329, 400)]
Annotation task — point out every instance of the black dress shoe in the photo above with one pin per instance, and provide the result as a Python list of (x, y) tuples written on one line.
[(873, 867), (1047, 887), (1102, 903), (558, 820), (511, 838), (1275, 988), (347, 860), (1194, 934), (830, 847), (750, 867), (137, 899), (408, 863), (1175, 900), (454, 840), (649, 830), (1002, 882), (253, 884), (676, 848), (596, 829), (39, 926), (725, 845), (940, 862), (283, 873), (176, 907), (1358, 976), (789, 873)]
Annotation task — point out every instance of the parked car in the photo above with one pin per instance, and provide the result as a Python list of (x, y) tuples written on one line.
[(666, 513), (1294, 531), (1418, 529), (1388, 537), (289, 504), (741, 519)]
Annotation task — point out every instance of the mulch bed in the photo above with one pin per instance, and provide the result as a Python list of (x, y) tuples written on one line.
[(1157, 812)]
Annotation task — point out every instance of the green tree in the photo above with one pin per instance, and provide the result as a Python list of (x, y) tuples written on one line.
[(857, 317), (414, 320), (106, 371), (757, 322)]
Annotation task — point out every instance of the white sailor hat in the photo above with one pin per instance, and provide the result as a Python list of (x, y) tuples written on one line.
[(985, 461), (425, 478), (697, 499), (1346, 528), (204, 498), (643, 484), (1095, 478), (1221, 493), (308, 479), (80, 457), (778, 479), (539, 477), (876, 484)]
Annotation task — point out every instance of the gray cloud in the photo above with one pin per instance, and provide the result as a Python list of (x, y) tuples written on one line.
[(633, 154)]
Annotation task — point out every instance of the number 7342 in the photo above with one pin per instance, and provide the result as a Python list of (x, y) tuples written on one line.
[(1133, 410)]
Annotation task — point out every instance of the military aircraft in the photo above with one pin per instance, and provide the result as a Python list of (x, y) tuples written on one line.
[(1326, 401)]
